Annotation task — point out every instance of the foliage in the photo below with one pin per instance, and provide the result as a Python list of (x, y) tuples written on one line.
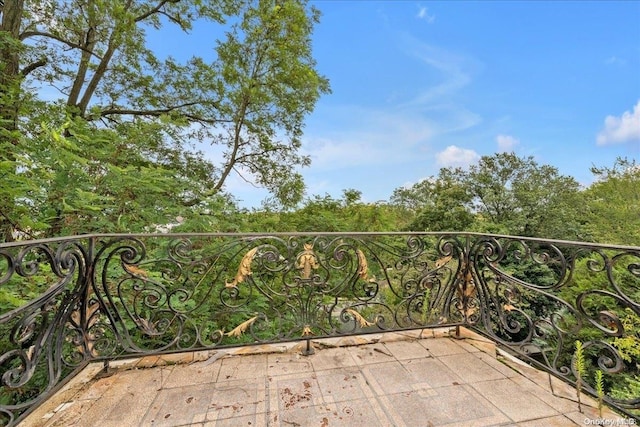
[(446, 207), (325, 213), (599, 390), (503, 193), (580, 369), (269, 84), (116, 97), (629, 345), (613, 203)]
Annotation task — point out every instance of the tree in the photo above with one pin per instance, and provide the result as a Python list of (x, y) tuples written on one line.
[(10, 80), (439, 203), (612, 211), (413, 198), (502, 193), (251, 100), (266, 73), (523, 197)]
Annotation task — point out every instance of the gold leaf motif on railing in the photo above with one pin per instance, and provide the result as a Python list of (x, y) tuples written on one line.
[(442, 261), (76, 319), (361, 320), (135, 270), (470, 288), (241, 328), (76, 316), (244, 270), (509, 307), (466, 291), (306, 331), (307, 261), (148, 327), (363, 266)]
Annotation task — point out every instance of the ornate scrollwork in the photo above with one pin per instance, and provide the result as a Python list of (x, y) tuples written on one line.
[(126, 296), (49, 279)]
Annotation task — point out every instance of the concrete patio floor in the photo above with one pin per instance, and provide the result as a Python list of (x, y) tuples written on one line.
[(421, 378)]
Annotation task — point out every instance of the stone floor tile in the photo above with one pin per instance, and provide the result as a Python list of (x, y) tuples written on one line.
[(383, 383), (470, 368), (442, 347), (497, 364), (179, 406), (130, 392), (332, 358), (483, 346), (468, 345), (432, 372), (284, 364), (589, 416), (134, 408), (70, 415), (258, 420), (239, 367), (556, 421), (389, 378), (560, 401), (112, 410), (443, 406), (403, 350), (517, 403), (371, 354), (192, 374), (353, 413), (343, 385), (237, 399), (99, 387), (138, 380)]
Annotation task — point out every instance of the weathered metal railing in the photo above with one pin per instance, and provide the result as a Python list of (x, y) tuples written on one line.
[(65, 302)]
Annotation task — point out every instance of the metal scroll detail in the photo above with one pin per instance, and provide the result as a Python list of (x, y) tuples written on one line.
[(43, 318), (66, 302), (538, 298), (191, 294)]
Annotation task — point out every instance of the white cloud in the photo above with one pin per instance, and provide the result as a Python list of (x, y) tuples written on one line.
[(506, 143), (455, 71), (614, 60), (370, 137), (454, 156), (618, 130), (423, 13)]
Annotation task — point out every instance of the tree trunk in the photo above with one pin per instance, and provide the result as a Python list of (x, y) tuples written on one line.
[(10, 79)]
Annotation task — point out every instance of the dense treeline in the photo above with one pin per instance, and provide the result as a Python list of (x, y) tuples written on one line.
[(502, 194)]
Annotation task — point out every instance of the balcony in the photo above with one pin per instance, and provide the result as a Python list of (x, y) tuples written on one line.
[(92, 305)]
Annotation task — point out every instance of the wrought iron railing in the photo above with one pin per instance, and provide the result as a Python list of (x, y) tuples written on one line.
[(65, 302)]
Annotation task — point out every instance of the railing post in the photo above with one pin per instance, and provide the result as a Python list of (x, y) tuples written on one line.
[(85, 292), (467, 282), (309, 350)]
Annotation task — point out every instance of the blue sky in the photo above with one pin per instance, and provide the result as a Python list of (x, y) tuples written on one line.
[(422, 85)]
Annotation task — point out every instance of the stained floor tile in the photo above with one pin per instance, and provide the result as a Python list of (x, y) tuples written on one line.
[(417, 382)]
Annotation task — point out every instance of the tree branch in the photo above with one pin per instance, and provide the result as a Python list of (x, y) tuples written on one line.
[(33, 66), (158, 9), (253, 184), (160, 111), (172, 18), (27, 34)]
